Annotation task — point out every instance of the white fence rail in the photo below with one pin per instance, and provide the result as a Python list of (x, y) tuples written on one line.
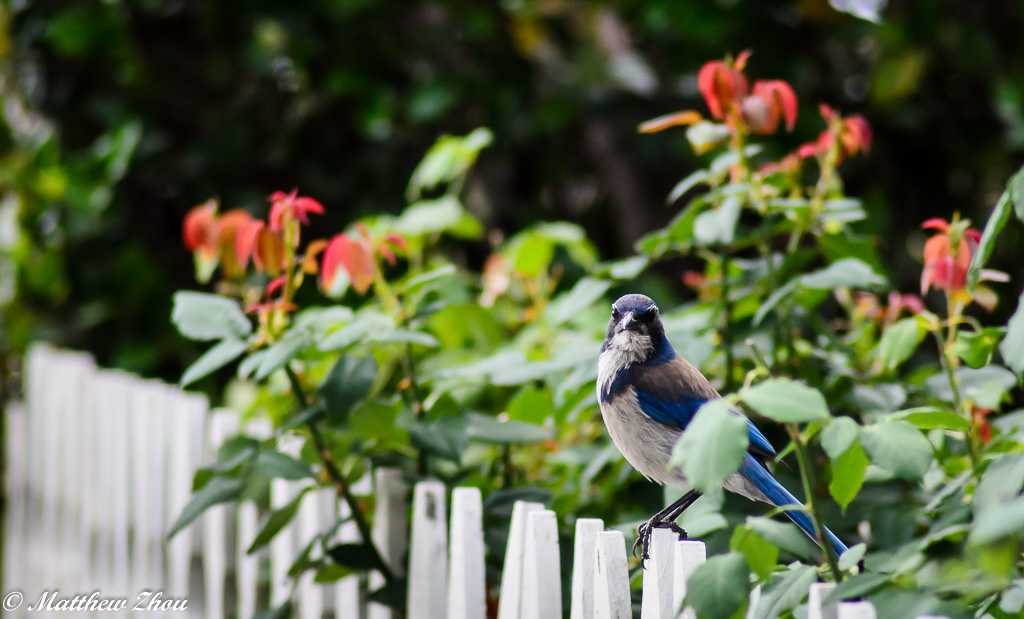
[(99, 464)]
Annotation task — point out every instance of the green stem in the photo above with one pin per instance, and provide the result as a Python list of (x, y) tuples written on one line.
[(726, 319), (807, 477), (958, 401), (339, 480)]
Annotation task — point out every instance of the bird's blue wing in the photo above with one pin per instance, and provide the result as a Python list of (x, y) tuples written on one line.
[(677, 414), (672, 391)]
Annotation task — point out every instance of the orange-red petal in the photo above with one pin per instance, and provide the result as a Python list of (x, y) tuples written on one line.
[(199, 230), (687, 117), (246, 241)]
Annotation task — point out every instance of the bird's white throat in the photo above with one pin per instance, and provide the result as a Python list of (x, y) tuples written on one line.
[(623, 350)]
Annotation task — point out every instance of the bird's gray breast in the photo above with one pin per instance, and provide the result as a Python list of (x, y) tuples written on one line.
[(645, 443)]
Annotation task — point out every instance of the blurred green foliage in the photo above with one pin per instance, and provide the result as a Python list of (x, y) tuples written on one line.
[(119, 116)]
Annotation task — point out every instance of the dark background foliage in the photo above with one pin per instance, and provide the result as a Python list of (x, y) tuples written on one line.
[(341, 98)]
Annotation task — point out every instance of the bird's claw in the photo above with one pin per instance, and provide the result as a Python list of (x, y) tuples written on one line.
[(643, 537)]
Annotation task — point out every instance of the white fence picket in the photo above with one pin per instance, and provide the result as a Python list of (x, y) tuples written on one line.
[(611, 577), (15, 523), (689, 555), (428, 552), (657, 601), (247, 567), (223, 425), (390, 532), (542, 589), (584, 549), (349, 591), (466, 582), (510, 602), (815, 598)]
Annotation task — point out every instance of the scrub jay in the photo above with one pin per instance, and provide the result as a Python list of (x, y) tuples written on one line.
[(649, 394)]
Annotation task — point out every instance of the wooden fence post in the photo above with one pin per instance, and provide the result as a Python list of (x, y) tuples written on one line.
[(584, 549), (542, 590), (658, 599), (428, 552), (611, 577), (510, 603), (689, 555), (466, 582)]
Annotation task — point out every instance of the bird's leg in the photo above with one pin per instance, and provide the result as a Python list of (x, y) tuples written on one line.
[(665, 519)]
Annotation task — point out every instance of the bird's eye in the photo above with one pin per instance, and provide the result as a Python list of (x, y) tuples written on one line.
[(616, 314)]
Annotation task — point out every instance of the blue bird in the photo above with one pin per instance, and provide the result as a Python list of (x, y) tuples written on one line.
[(649, 394)]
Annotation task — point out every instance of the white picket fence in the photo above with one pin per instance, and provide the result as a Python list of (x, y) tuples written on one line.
[(99, 463)]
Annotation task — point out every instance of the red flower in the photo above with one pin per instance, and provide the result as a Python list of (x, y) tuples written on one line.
[(723, 86), (771, 101), (291, 206), (984, 428), (263, 245), (354, 256), (852, 133), (228, 226), (944, 267), (200, 229)]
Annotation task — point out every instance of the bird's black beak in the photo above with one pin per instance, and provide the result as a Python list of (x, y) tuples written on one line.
[(627, 319)]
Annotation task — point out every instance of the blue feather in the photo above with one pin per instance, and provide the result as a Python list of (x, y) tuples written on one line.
[(671, 413), (779, 496)]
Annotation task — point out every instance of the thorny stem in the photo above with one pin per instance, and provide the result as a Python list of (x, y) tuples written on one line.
[(807, 477), (339, 480)]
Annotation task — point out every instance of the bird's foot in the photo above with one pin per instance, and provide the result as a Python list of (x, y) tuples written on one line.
[(643, 537)]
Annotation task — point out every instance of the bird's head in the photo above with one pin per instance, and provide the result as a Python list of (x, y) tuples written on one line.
[(635, 328)]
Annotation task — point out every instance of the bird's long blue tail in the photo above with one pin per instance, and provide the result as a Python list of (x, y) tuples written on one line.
[(779, 496)]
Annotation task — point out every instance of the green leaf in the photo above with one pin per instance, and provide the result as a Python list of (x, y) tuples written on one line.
[(392, 594), (720, 587), (838, 436), (900, 341), (785, 591), (976, 347), (272, 463), (532, 406), (405, 336), (490, 430), (1015, 187), (713, 445), (856, 586), (898, 447), (760, 554), (848, 475), (224, 352), (717, 225), (444, 437), (354, 556), (217, 490), (277, 521), (996, 222), (585, 293), (281, 612), (691, 181), (310, 414), (201, 316), (852, 557), (786, 401), (364, 325), (847, 273), (1001, 483), (282, 352), (931, 418), (447, 160), (347, 384), (1012, 347), (705, 136), (444, 214), (783, 535)]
